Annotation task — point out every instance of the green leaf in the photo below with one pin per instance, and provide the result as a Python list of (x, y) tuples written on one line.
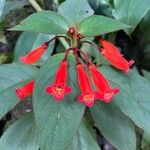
[(44, 22), (13, 76), (142, 42), (114, 125), (74, 11), (146, 74), (133, 99), (101, 7), (130, 11), (57, 122), (2, 3), (97, 25), (13, 5), (20, 135), (83, 140), (28, 41)]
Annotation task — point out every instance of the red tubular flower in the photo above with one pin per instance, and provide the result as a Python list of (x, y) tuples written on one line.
[(112, 54), (102, 84), (59, 88), (33, 56), (88, 95), (25, 91)]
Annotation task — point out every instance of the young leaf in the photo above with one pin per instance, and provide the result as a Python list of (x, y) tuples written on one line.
[(133, 99), (113, 124), (13, 76), (44, 22), (20, 135), (57, 122), (97, 25), (28, 41), (83, 140), (74, 11), (130, 11)]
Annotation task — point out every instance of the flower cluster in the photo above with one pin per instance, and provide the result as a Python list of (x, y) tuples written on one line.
[(87, 73)]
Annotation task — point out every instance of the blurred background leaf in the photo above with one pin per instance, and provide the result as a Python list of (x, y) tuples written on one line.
[(13, 5), (2, 3), (75, 10), (130, 11), (24, 138)]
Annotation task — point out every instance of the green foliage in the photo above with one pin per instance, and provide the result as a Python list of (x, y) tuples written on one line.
[(114, 125), (146, 74), (13, 76), (61, 125), (57, 122), (24, 138), (2, 3), (75, 11), (43, 22), (130, 11), (97, 25), (13, 5), (83, 140), (101, 7), (134, 96), (142, 45)]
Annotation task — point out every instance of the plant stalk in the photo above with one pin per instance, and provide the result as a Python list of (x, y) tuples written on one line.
[(35, 5)]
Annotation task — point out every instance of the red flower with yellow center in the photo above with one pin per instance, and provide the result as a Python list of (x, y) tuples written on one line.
[(102, 84), (88, 94), (59, 88)]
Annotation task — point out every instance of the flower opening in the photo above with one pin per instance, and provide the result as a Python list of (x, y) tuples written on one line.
[(59, 88), (88, 95), (25, 91), (102, 84)]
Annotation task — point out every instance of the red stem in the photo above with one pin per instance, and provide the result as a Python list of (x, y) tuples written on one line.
[(67, 52), (77, 58), (75, 50), (85, 57), (56, 37)]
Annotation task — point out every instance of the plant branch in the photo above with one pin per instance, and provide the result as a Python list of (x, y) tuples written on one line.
[(64, 43), (35, 5)]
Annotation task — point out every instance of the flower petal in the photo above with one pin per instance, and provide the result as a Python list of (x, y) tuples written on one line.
[(58, 92), (102, 85), (87, 99), (83, 79), (33, 56), (112, 54), (26, 90)]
